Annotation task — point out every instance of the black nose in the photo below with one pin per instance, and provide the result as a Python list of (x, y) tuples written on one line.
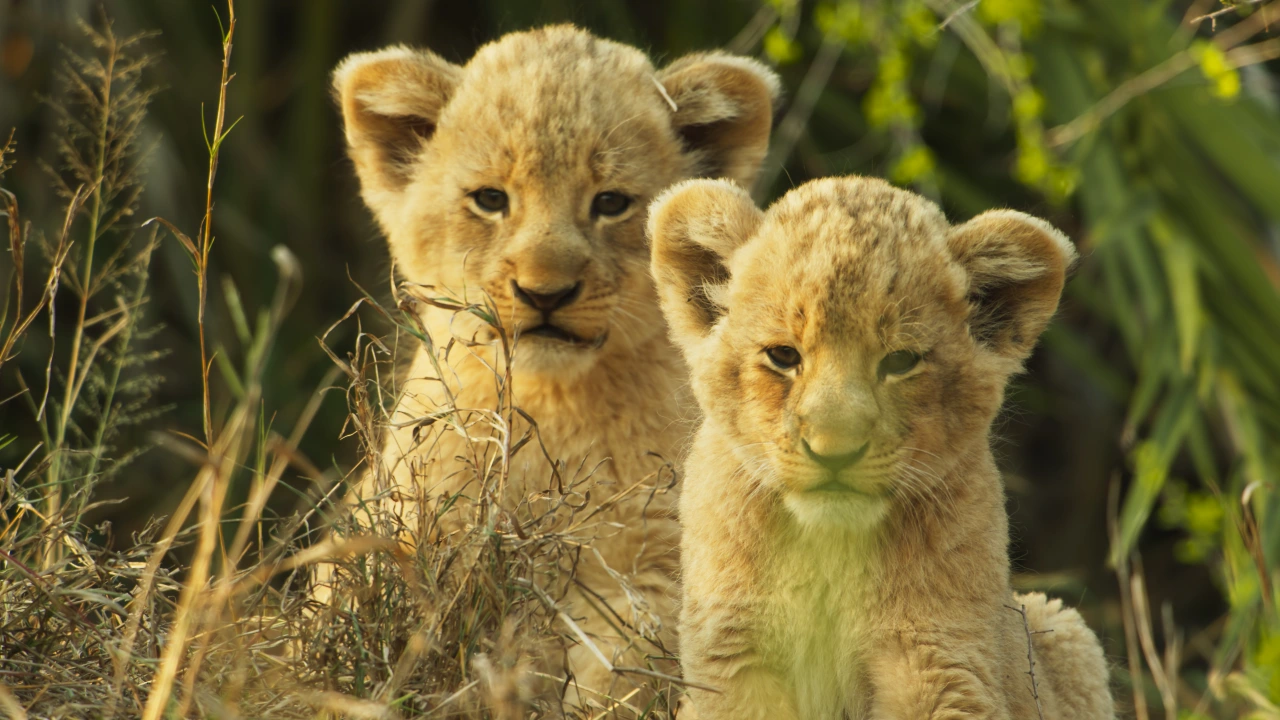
[(835, 463), (547, 302)]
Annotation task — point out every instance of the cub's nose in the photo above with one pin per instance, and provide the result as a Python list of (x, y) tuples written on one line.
[(835, 463), (546, 301)]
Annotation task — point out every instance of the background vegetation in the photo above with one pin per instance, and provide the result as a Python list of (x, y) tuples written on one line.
[(1142, 448)]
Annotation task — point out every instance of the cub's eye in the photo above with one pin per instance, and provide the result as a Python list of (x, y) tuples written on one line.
[(609, 204), (783, 357), (490, 199), (898, 363)]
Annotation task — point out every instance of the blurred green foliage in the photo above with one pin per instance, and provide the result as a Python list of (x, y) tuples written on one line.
[(1146, 129)]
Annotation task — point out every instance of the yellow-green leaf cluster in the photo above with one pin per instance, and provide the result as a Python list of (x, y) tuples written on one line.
[(921, 24), (781, 48), (1026, 13), (889, 101), (916, 164), (845, 20), (1217, 69), (1200, 514)]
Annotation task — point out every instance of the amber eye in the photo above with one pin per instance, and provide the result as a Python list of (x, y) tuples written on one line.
[(490, 199), (783, 357), (898, 363), (609, 204)]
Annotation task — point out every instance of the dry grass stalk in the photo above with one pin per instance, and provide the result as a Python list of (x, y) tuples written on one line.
[(1251, 534), (1164, 672), (1139, 630), (14, 330), (1127, 615)]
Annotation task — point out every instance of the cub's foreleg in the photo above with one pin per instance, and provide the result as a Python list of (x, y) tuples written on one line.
[(745, 688), (923, 678), (718, 650)]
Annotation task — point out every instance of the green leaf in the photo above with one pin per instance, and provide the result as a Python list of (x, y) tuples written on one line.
[(236, 308), (1184, 288), (1211, 127), (1151, 460), (228, 371)]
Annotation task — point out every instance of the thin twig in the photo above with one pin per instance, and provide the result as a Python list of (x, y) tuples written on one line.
[(1031, 658), (1260, 21), (1213, 16)]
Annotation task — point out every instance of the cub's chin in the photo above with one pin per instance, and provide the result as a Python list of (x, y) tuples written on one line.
[(845, 511), (555, 356)]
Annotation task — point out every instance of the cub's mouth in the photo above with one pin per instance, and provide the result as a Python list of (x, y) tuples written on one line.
[(556, 333), (834, 488)]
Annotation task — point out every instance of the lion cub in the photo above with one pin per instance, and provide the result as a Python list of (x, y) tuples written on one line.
[(845, 538), (522, 178)]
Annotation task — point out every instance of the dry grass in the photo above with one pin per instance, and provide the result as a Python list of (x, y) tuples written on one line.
[(469, 620), (466, 625), (455, 629)]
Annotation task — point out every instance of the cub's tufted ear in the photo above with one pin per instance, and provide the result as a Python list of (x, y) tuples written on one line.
[(1017, 265), (391, 100), (693, 228), (723, 112)]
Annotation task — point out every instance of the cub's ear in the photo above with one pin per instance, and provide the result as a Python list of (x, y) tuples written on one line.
[(1017, 265), (693, 228), (723, 112), (391, 100)]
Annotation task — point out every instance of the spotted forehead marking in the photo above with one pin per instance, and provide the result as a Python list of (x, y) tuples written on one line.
[(867, 254), (517, 92)]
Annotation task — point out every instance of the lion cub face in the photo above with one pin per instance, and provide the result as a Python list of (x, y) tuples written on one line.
[(525, 174), (850, 341)]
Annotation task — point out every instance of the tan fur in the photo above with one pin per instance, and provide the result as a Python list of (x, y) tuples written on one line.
[(552, 117), (885, 595)]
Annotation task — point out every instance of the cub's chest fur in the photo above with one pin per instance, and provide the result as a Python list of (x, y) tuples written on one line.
[(819, 621)]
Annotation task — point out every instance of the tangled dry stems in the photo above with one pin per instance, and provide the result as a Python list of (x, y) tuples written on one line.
[(456, 628), (472, 611), (209, 612)]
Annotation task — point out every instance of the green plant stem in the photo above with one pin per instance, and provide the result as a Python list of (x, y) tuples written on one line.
[(53, 491), (206, 240), (113, 381)]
